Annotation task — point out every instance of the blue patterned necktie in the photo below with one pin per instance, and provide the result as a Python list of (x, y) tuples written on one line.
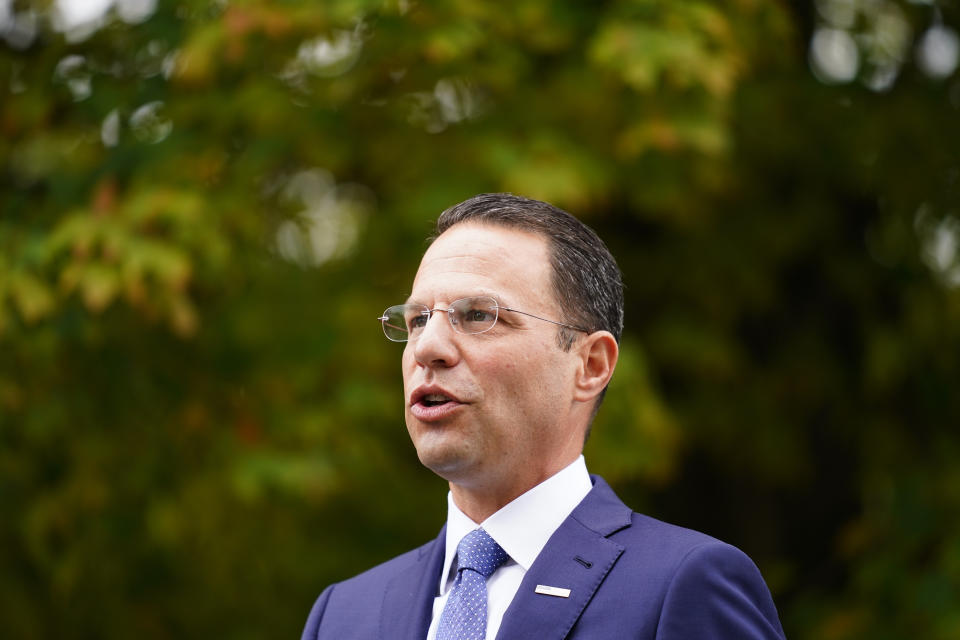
[(464, 616)]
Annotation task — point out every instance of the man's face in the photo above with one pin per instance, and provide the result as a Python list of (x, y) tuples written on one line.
[(506, 395)]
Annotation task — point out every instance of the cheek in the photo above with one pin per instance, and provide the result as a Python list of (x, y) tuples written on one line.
[(407, 368), (521, 380)]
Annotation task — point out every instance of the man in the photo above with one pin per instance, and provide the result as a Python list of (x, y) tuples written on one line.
[(512, 331)]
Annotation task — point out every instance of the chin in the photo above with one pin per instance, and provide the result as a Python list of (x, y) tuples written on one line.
[(448, 462)]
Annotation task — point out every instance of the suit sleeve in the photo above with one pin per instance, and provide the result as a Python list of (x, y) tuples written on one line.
[(717, 593), (311, 630)]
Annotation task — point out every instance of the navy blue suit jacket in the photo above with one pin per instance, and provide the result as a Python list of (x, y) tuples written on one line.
[(629, 576)]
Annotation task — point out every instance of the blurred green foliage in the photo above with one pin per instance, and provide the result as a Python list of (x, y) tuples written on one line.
[(205, 206)]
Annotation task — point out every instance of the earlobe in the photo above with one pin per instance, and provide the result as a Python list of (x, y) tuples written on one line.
[(598, 358)]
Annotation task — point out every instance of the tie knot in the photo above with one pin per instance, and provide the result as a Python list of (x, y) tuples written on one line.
[(480, 552)]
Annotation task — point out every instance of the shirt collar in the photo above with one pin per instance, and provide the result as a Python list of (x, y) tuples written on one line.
[(523, 526)]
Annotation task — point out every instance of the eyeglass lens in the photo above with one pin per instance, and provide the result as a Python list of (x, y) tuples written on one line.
[(468, 315)]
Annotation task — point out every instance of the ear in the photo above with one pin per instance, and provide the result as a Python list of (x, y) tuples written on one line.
[(598, 357)]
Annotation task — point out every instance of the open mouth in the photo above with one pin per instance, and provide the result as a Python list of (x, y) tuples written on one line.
[(433, 405), (434, 400)]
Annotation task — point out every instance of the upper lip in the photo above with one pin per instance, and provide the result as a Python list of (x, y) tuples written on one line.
[(420, 392)]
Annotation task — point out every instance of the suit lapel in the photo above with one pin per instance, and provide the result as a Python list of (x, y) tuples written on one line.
[(408, 598), (577, 557)]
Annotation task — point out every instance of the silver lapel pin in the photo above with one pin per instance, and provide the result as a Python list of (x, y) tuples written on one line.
[(552, 591)]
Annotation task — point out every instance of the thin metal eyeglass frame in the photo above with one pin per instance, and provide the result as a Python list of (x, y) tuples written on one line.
[(383, 318)]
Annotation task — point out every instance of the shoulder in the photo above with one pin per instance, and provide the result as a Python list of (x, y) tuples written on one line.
[(645, 539), (376, 576), (715, 586), (699, 586), (691, 583), (664, 550), (351, 607)]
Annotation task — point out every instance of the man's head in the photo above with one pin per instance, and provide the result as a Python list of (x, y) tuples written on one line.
[(497, 412)]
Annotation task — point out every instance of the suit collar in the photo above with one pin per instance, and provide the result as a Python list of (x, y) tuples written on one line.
[(578, 557), (602, 511)]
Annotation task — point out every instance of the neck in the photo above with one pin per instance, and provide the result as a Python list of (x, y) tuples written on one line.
[(478, 506), (479, 502)]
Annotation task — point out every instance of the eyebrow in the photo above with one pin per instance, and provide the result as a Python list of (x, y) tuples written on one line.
[(479, 293)]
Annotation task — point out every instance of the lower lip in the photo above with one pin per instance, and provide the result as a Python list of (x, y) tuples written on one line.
[(427, 413)]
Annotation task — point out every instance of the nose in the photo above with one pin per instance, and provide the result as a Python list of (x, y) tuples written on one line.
[(436, 346)]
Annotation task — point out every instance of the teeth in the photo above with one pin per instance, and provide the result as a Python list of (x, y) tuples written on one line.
[(433, 399)]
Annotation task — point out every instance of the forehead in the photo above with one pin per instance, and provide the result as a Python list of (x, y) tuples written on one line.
[(471, 259)]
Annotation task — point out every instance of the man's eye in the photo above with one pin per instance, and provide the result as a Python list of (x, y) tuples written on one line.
[(417, 322), (477, 315)]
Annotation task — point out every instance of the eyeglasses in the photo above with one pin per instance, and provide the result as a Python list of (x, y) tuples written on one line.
[(404, 322)]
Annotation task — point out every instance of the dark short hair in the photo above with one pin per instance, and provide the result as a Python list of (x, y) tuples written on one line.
[(586, 280)]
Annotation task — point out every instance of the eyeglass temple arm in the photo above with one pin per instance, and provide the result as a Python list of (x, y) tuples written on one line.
[(561, 324), (384, 319)]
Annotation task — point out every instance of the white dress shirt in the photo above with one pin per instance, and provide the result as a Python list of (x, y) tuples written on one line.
[(522, 528)]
